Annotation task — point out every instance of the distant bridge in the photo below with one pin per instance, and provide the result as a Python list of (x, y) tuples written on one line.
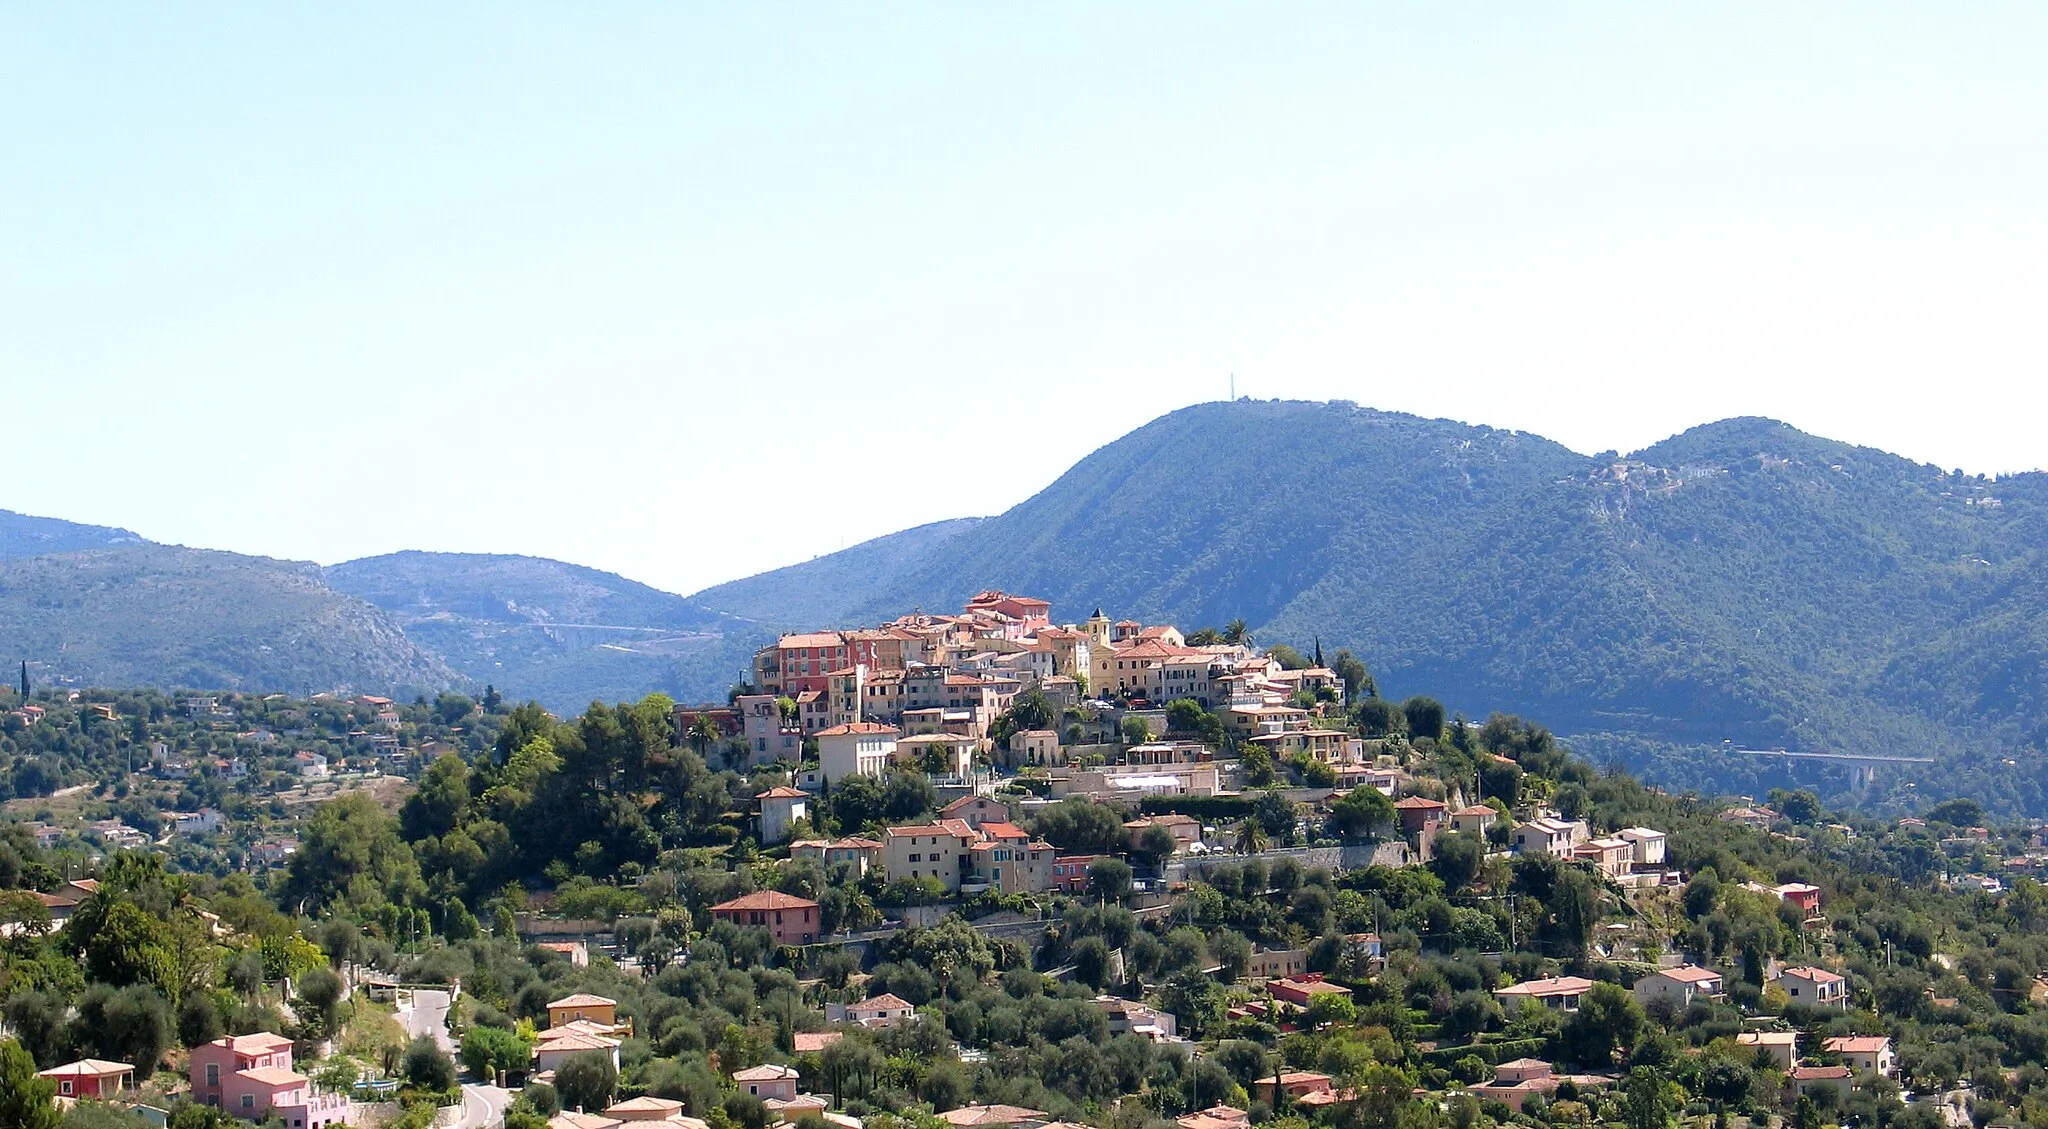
[(1862, 766)]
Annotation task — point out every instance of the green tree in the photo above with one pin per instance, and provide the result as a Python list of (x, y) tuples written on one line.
[(428, 1067), (1357, 814), (1609, 1019), (586, 1081), (26, 1101), (1358, 680), (1258, 767), (1187, 716), (1425, 717), (1646, 1100), (1287, 657), (1136, 731), (1109, 879)]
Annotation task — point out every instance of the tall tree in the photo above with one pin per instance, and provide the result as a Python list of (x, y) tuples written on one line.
[(26, 1101)]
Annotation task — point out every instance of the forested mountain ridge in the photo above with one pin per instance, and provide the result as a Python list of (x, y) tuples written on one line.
[(1743, 581), (546, 629), (159, 615)]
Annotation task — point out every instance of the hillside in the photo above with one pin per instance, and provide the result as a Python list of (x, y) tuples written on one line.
[(156, 615), (545, 629), (826, 589), (1741, 582), (23, 535)]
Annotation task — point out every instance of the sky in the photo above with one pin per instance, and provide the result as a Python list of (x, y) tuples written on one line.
[(692, 291)]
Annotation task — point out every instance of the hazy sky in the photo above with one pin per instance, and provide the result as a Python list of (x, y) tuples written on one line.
[(692, 291)]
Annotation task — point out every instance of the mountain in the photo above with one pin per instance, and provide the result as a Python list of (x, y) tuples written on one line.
[(557, 632), (22, 535), (192, 618), (826, 589), (1743, 582)]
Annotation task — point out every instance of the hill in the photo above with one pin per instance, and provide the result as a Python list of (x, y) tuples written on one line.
[(157, 615), (23, 535), (828, 588), (545, 629), (1742, 582)]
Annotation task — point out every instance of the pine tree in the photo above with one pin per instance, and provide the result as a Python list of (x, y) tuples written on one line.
[(26, 1100), (24, 681)]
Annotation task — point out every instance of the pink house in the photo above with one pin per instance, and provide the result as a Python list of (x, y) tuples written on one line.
[(251, 1076)]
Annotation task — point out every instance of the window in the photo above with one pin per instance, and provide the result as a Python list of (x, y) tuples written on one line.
[(248, 1101), (213, 1074)]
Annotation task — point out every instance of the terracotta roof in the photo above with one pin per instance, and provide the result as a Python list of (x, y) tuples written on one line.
[(1475, 809), (811, 1042), (273, 1075), (645, 1105), (577, 1042), (260, 1043), (567, 1120), (766, 1072), (974, 1115), (1857, 1044), (888, 1001), (1817, 975), (1292, 1077), (1549, 986), (583, 999), (780, 792), (1419, 803), (1003, 830), (1689, 974), (1818, 1073), (855, 727), (766, 899), (813, 639)]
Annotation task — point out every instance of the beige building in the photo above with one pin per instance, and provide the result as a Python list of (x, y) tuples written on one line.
[(861, 748), (934, 850)]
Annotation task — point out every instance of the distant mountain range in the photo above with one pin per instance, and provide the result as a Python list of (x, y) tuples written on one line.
[(1743, 583)]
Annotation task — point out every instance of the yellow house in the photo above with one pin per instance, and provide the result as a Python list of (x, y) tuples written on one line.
[(592, 1009)]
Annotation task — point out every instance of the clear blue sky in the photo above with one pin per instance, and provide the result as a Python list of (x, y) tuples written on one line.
[(608, 282)]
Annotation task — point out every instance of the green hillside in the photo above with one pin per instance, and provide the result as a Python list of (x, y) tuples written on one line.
[(156, 615), (826, 589), (1742, 582), (556, 632)]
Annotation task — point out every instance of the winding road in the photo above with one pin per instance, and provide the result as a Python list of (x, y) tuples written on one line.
[(426, 1013)]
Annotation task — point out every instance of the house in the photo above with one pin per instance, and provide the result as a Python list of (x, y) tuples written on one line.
[(1272, 964), (1549, 835), (802, 662), (1290, 1084), (666, 1110), (251, 1077), (575, 952), (768, 736), (858, 748), (1869, 1053), (568, 1120), (1612, 857), (1814, 987), (1560, 992), (769, 1080), (1185, 829), (115, 833), (205, 821), (273, 852), (559, 1046), (1012, 865), (885, 1010), (1216, 1117), (1128, 1017), (310, 766), (789, 919), (1806, 1079), (938, 754), (584, 1007), (1473, 819), (1681, 985), (1514, 1081), (862, 853), (1300, 990), (976, 810), (90, 1078), (812, 1042), (1070, 872), (989, 1116), (1034, 747), (1803, 895), (1420, 814), (1782, 1046), (780, 807), (941, 850), (1649, 846)]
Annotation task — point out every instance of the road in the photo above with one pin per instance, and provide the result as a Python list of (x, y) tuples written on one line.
[(483, 1105)]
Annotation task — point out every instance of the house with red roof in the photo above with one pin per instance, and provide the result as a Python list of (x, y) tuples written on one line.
[(1814, 987), (1681, 985), (90, 1078), (1869, 1053), (780, 807), (789, 919)]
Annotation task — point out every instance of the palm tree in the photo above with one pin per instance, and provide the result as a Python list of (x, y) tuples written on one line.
[(1251, 837)]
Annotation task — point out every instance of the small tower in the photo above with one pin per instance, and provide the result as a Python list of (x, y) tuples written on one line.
[(1098, 629)]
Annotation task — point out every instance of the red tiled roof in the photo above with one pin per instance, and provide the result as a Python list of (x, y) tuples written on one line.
[(766, 899)]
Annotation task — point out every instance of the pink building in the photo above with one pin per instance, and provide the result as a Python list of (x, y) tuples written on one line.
[(792, 920), (251, 1076)]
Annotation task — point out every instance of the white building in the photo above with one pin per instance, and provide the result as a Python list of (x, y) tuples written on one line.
[(1681, 985), (860, 748)]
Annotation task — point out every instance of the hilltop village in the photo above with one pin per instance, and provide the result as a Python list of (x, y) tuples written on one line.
[(980, 869)]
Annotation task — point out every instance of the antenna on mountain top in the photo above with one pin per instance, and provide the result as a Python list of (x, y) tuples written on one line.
[(1233, 387)]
